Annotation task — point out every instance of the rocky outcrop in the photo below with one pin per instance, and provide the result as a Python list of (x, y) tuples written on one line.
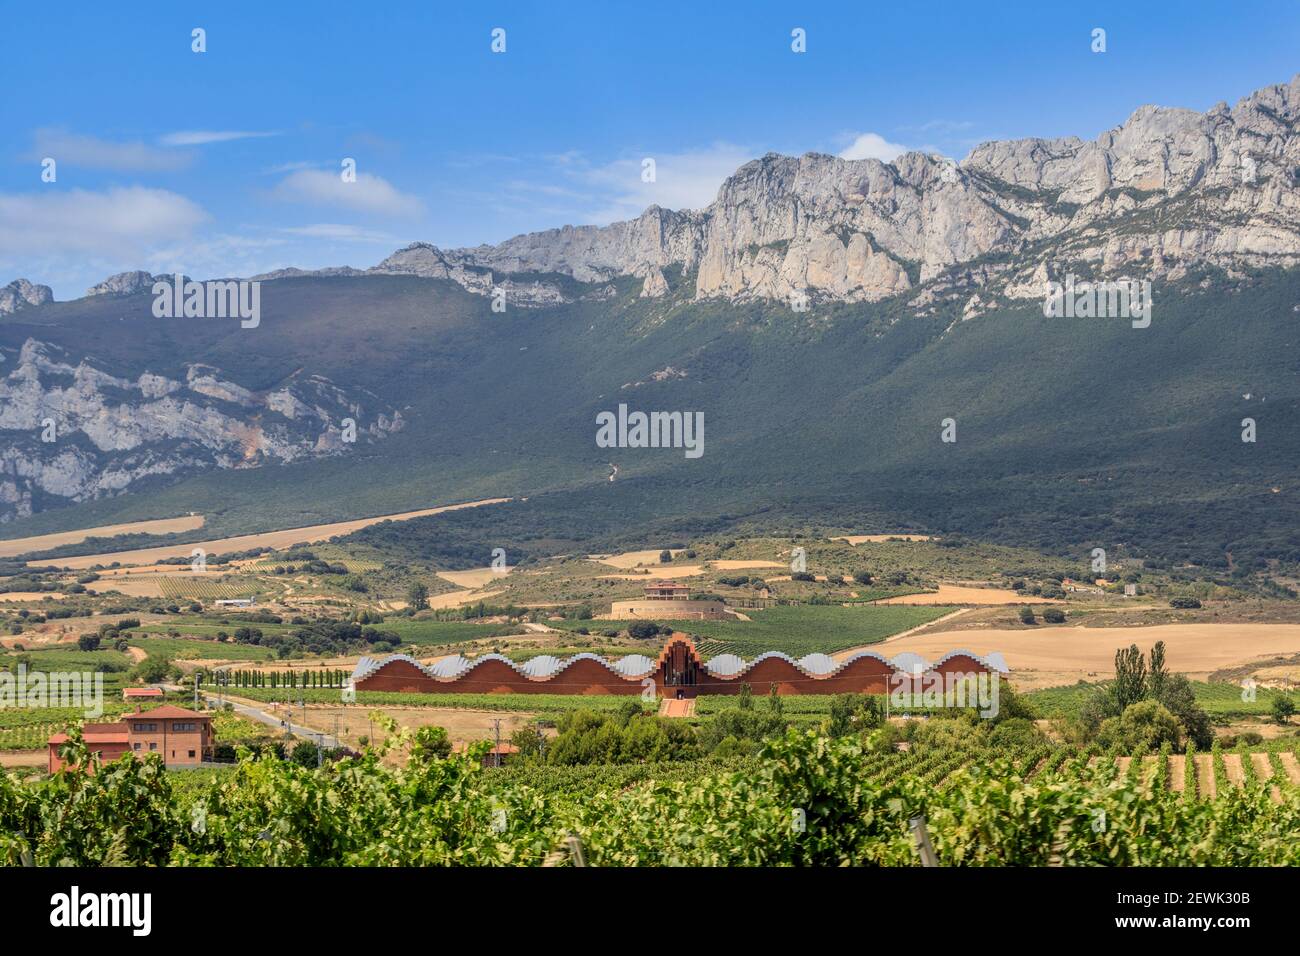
[(124, 283), (77, 432), (20, 294)]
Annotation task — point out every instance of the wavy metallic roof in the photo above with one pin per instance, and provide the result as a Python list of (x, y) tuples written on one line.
[(543, 667), (636, 666)]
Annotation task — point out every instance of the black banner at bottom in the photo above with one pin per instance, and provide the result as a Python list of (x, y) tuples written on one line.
[(146, 907)]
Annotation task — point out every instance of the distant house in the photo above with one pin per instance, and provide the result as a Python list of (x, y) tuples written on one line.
[(142, 693), (235, 602), (1078, 588), (181, 737), (1130, 590), (497, 756)]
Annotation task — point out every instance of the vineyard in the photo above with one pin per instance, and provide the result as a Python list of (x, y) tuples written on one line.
[(29, 729), (1219, 700), (804, 800), (528, 703), (796, 629), (200, 587), (189, 648)]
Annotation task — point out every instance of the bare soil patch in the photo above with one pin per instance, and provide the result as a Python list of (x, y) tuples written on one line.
[(1232, 764), (457, 598), (856, 539), (631, 559), (1291, 766), (474, 578), (1263, 766), (44, 542), (1177, 772), (24, 758), (958, 594), (268, 539), (1050, 656), (1205, 777), (659, 572), (145, 586)]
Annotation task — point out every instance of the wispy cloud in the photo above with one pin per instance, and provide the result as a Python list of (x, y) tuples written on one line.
[(202, 137), (368, 193), (872, 146), (572, 186), (75, 149), (341, 232), (290, 167)]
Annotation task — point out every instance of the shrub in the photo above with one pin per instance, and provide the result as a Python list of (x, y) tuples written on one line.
[(642, 630), (1145, 725)]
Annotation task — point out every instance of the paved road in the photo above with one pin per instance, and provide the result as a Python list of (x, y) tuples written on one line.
[(307, 733)]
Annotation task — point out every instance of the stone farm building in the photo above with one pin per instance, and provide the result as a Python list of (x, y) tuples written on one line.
[(667, 600), (181, 737), (677, 672)]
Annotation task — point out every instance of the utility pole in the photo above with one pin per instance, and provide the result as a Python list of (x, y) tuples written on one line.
[(496, 756)]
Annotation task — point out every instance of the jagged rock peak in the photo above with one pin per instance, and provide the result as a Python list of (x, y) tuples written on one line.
[(124, 283), (20, 294)]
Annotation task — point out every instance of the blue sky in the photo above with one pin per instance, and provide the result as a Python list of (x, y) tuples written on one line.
[(227, 162)]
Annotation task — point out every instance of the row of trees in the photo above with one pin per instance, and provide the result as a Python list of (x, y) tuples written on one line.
[(297, 679)]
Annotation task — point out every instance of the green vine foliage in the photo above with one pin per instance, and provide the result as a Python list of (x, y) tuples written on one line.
[(808, 800)]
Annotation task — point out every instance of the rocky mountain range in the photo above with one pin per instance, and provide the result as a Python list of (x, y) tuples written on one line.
[(1168, 193), (76, 433), (1168, 190)]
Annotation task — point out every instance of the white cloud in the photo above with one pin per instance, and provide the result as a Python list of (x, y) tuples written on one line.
[(872, 146), (73, 149), (368, 194), (79, 221), (341, 232), (201, 137), (683, 180), (609, 192)]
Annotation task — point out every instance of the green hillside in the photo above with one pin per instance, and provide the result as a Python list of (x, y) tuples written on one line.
[(1071, 433)]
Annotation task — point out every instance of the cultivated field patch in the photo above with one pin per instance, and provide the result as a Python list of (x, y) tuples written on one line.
[(44, 542), (1050, 656), (959, 594), (246, 542)]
